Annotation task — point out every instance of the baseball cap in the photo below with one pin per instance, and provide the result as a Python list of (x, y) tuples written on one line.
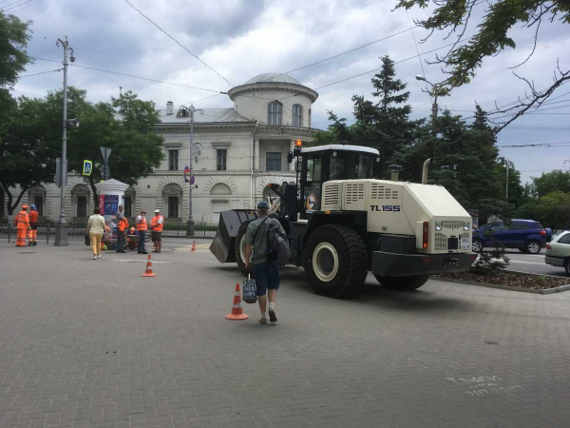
[(262, 205), (25, 206), (157, 210)]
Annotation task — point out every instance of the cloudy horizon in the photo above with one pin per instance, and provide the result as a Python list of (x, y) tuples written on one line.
[(227, 42)]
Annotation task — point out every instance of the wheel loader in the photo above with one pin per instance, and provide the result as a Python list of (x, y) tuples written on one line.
[(342, 224)]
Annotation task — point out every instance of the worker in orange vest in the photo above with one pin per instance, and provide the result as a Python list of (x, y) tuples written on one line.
[(156, 226), (122, 227), (22, 222), (142, 227), (33, 232)]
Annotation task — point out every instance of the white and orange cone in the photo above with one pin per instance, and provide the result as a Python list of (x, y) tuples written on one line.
[(148, 271), (237, 311), (193, 245)]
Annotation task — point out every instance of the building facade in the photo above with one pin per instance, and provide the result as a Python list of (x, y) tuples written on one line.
[(235, 152)]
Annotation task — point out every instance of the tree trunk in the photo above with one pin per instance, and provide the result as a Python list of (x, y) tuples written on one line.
[(12, 206), (93, 191)]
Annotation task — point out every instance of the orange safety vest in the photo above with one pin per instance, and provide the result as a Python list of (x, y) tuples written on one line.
[(123, 224), (22, 220), (34, 215), (155, 225), (142, 225)]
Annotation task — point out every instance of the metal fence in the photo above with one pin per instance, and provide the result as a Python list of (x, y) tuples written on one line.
[(76, 230)]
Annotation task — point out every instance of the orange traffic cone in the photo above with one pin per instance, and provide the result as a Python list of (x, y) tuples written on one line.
[(193, 245), (237, 311), (148, 271)]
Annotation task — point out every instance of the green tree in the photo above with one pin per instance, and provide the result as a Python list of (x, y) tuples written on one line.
[(384, 122), (126, 125), (492, 35), (28, 149), (14, 37), (552, 181)]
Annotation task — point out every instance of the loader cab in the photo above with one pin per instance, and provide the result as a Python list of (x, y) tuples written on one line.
[(332, 162)]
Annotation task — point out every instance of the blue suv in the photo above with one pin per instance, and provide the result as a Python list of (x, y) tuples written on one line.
[(527, 235)]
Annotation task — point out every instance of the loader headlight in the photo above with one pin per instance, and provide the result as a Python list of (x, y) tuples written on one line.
[(466, 226), (438, 226)]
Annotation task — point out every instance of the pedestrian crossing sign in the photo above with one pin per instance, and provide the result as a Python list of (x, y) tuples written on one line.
[(87, 167)]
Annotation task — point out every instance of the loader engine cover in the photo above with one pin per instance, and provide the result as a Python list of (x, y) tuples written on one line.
[(427, 212)]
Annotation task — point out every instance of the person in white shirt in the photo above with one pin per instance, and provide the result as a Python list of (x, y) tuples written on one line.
[(96, 228)]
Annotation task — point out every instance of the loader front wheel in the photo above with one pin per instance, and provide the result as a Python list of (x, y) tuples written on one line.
[(336, 261)]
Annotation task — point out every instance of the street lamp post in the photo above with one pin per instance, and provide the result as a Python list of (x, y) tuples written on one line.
[(190, 226), (60, 232), (435, 90)]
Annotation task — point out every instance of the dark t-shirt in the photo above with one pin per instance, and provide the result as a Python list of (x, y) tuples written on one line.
[(260, 246)]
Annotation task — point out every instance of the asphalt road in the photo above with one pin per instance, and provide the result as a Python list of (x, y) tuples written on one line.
[(93, 344), (532, 263)]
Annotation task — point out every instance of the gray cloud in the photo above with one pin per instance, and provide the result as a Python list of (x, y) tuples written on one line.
[(243, 38)]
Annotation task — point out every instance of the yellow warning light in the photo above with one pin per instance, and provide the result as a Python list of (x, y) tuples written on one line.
[(298, 143)]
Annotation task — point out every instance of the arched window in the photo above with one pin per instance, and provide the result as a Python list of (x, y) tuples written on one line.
[(297, 115), (37, 196), (130, 202), (274, 113), (80, 195), (221, 189), (2, 203), (172, 197)]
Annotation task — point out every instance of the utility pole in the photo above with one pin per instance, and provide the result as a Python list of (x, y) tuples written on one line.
[(190, 226), (60, 232), (507, 181)]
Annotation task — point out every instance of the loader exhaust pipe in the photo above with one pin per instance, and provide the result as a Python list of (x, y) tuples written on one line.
[(425, 170)]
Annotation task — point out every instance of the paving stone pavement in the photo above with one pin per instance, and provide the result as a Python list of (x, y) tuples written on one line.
[(93, 344)]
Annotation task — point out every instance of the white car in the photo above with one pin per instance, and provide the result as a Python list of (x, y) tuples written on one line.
[(558, 251)]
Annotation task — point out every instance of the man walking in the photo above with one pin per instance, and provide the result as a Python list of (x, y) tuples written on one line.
[(257, 260), (22, 222), (122, 226), (156, 226), (142, 227), (33, 233)]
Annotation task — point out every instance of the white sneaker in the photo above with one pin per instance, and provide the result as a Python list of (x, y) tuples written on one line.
[(272, 314), (94, 258)]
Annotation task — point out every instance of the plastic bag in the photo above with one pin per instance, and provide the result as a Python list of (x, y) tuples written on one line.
[(249, 290)]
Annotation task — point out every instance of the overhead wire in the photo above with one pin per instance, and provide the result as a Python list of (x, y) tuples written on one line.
[(41, 72), (134, 76), (162, 30), (16, 5), (365, 45)]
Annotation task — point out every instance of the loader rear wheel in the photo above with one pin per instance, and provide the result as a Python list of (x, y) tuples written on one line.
[(403, 283), (239, 247), (336, 261)]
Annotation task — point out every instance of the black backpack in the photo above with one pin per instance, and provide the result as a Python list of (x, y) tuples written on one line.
[(278, 244)]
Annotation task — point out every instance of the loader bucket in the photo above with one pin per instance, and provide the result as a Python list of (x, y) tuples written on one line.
[(230, 221)]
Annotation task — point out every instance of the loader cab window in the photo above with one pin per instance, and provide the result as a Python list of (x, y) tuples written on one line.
[(313, 183), (351, 165)]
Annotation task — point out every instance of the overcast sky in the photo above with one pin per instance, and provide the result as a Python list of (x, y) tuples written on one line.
[(238, 39)]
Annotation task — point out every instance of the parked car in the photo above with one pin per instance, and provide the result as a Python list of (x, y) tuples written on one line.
[(558, 251), (527, 235)]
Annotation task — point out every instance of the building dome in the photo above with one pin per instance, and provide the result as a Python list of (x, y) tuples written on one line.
[(272, 78)]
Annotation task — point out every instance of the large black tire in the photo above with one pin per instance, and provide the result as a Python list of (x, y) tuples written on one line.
[(402, 283), (336, 261), (476, 246), (239, 247), (533, 247)]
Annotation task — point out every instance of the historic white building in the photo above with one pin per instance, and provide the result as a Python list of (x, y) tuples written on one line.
[(236, 153)]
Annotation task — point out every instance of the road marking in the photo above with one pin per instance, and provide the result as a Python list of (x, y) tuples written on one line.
[(527, 263)]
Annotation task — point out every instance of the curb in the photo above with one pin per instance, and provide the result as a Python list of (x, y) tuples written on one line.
[(552, 290)]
